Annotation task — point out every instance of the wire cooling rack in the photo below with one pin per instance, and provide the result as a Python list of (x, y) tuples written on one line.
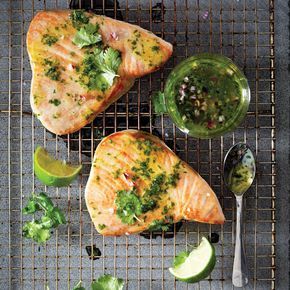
[(240, 29)]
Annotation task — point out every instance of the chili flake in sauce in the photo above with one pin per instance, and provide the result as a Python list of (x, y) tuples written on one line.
[(209, 96)]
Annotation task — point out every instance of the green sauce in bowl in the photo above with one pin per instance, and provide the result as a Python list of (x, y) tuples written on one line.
[(207, 95)]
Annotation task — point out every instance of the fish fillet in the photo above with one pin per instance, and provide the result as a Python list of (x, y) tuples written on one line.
[(131, 161), (64, 106)]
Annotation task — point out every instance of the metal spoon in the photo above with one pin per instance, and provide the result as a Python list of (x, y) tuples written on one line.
[(239, 172)]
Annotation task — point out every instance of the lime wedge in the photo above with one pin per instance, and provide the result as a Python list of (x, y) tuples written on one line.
[(51, 171), (195, 265)]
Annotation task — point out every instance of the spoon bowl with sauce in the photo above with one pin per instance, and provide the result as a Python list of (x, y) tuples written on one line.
[(239, 172)]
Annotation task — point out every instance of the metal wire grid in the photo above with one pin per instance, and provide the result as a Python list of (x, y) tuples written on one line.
[(242, 30)]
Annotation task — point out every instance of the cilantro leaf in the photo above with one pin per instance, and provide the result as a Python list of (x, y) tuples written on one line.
[(37, 231), (87, 35), (31, 207), (100, 68), (43, 201), (180, 258), (159, 103), (129, 206), (79, 18), (57, 217), (108, 282), (159, 225)]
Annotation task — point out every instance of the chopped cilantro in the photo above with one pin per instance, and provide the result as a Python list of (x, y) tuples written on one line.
[(100, 68), (152, 194), (79, 18), (49, 39), (101, 226), (143, 168), (87, 35), (51, 69), (147, 146), (165, 210), (174, 176), (128, 206), (155, 48), (117, 173), (55, 102), (159, 225)]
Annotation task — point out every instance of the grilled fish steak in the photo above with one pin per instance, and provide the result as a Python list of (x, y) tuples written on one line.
[(58, 96), (137, 183)]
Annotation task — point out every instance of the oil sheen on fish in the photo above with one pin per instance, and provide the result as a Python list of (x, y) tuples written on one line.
[(137, 183), (65, 94)]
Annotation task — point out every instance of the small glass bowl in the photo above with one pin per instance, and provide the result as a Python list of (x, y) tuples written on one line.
[(184, 69)]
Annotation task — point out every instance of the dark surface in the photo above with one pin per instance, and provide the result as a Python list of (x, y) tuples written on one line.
[(282, 143)]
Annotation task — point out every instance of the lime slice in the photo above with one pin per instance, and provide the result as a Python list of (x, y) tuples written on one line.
[(51, 171), (195, 265)]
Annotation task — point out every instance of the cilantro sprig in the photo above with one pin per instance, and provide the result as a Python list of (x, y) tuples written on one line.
[(105, 282), (129, 206), (108, 282), (100, 67), (39, 230)]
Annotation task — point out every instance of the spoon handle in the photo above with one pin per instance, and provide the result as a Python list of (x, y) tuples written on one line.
[(240, 271)]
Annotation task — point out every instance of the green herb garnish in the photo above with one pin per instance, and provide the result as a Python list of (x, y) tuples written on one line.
[(128, 206), (101, 226), (49, 39), (55, 102), (108, 282), (143, 170), (79, 18), (153, 193), (52, 69), (87, 35), (159, 103), (39, 230), (159, 225), (105, 282), (174, 176), (117, 173), (147, 146), (155, 48), (100, 68)]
